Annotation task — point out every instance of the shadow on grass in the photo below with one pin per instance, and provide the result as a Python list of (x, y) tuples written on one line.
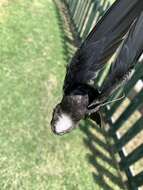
[(106, 173), (68, 35)]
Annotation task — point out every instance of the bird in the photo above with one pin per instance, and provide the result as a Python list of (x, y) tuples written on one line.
[(120, 30)]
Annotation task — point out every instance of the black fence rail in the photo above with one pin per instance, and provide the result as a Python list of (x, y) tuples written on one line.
[(125, 117)]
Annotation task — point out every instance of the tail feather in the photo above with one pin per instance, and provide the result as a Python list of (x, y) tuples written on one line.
[(129, 54), (118, 19)]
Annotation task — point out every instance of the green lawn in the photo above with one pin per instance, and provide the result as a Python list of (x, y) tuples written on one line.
[(32, 59)]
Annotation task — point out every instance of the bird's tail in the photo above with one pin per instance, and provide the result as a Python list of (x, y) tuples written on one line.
[(128, 56), (115, 23)]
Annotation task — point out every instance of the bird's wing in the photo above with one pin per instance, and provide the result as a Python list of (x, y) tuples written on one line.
[(102, 42), (129, 54), (117, 18)]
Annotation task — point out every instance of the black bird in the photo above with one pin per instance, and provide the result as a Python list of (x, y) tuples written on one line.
[(120, 29)]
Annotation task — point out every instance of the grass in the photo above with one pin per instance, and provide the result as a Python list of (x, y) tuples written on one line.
[(32, 59)]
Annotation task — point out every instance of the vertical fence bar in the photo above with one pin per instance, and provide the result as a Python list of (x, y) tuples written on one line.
[(81, 11), (91, 18), (82, 14), (78, 11), (74, 7), (82, 23)]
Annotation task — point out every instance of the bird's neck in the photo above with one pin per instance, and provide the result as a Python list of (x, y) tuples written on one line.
[(84, 90), (92, 92)]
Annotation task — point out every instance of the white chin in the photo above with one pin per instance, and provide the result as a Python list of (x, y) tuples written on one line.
[(63, 124)]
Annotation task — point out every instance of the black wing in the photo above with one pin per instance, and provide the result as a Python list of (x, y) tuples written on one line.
[(102, 42), (118, 19), (129, 54)]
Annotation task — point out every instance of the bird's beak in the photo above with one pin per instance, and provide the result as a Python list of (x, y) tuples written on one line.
[(62, 124), (60, 133)]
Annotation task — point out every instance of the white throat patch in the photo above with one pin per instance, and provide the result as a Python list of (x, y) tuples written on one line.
[(63, 124)]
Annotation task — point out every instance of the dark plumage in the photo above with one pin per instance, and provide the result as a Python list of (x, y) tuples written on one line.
[(122, 26)]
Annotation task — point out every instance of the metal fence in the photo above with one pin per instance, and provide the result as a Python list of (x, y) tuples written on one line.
[(85, 13), (124, 117)]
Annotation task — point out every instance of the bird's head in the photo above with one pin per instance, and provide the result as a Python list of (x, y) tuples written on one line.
[(68, 113)]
